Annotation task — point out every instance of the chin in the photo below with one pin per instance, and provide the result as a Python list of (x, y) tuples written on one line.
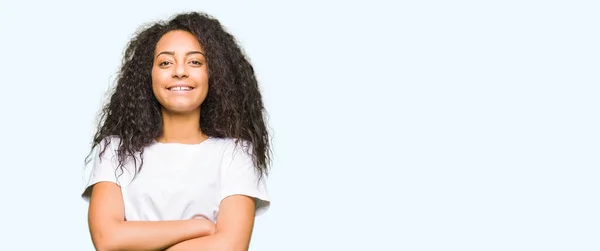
[(181, 110)]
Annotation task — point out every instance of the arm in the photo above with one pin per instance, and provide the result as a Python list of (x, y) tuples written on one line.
[(110, 231), (234, 228)]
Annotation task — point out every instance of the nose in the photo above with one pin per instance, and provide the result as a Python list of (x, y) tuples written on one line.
[(180, 71)]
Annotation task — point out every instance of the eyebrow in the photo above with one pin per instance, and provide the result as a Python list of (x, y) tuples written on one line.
[(172, 53)]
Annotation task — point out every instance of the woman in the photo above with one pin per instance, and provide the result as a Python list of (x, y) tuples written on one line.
[(181, 144)]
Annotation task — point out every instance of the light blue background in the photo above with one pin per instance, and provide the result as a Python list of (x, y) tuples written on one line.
[(416, 125)]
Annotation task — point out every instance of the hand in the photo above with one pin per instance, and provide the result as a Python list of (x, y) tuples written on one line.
[(206, 226)]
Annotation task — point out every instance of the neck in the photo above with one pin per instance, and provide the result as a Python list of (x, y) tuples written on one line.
[(181, 128)]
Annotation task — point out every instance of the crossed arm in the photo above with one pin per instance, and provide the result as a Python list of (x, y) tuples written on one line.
[(110, 232), (233, 230)]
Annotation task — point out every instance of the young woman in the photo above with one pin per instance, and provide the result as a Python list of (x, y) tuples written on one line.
[(181, 144)]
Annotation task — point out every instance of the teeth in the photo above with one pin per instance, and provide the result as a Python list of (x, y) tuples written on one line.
[(180, 88)]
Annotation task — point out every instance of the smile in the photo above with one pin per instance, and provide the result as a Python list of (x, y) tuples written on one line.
[(180, 88)]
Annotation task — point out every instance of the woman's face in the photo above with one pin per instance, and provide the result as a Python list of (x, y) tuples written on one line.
[(179, 72)]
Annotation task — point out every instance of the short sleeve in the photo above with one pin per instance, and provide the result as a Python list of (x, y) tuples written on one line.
[(103, 168), (239, 176)]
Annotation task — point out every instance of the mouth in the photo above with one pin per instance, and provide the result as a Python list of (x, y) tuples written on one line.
[(180, 88)]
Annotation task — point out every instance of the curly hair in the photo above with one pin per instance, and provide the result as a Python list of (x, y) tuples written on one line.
[(233, 107)]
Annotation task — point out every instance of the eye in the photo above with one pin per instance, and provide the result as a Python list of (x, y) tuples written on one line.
[(196, 62), (164, 63)]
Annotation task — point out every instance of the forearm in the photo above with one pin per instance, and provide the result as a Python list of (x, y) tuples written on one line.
[(216, 242), (148, 235), (233, 229)]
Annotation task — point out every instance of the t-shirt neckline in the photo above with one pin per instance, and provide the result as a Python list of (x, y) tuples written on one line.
[(155, 142)]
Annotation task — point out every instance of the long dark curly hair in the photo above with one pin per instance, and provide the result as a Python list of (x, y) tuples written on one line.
[(233, 107)]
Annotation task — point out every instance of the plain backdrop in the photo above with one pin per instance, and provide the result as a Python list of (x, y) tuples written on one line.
[(399, 125)]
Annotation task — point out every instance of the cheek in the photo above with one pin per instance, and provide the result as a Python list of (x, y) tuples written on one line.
[(159, 78), (201, 77), (159, 81)]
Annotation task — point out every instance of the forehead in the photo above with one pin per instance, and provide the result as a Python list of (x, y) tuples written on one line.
[(178, 41)]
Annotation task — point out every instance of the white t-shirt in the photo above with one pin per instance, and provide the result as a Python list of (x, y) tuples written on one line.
[(178, 181)]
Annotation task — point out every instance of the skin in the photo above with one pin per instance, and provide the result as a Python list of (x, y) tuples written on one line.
[(110, 231), (178, 60)]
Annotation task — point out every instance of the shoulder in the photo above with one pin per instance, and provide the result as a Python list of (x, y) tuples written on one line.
[(231, 145), (227, 141), (112, 142), (239, 175), (234, 153), (107, 147)]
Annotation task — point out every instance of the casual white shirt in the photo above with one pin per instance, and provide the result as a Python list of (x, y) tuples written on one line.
[(178, 181)]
